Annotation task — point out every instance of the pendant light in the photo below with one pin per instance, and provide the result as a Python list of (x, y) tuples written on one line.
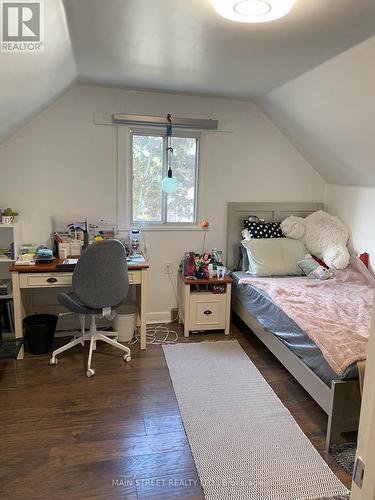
[(169, 183)]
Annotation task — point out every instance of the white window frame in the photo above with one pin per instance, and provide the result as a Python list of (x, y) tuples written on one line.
[(125, 179)]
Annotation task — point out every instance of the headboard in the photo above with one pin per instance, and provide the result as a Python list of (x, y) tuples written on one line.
[(271, 212)]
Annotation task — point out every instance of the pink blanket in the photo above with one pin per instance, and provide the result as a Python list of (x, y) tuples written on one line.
[(335, 313)]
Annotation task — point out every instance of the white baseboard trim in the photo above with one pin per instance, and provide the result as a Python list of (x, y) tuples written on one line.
[(151, 318), (158, 317)]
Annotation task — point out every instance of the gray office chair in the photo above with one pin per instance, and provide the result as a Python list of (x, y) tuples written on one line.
[(100, 284)]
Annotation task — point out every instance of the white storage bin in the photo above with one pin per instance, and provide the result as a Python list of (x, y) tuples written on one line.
[(125, 322)]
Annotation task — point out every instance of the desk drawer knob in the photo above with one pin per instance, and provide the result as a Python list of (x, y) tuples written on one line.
[(51, 280), (207, 312)]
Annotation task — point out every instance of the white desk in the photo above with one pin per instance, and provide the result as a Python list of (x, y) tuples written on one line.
[(44, 276)]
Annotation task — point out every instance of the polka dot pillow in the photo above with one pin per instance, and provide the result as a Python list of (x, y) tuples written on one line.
[(263, 230)]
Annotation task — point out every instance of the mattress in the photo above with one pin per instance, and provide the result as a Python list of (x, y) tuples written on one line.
[(273, 319)]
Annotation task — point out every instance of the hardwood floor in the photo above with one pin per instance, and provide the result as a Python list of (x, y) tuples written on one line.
[(118, 435)]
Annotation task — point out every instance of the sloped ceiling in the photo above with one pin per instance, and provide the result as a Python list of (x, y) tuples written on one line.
[(184, 46), (328, 114), (30, 81)]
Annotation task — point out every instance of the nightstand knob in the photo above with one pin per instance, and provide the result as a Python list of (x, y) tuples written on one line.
[(207, 312)]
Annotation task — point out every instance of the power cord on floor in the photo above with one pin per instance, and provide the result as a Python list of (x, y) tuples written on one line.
[(160, 334), (157, 335)]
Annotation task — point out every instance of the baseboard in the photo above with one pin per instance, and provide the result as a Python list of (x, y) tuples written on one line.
[(158, 317), (151, 318)]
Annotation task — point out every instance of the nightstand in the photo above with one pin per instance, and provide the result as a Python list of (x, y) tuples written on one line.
[(201, 309)]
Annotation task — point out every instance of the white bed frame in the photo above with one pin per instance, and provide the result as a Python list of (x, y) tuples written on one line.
[(342, 400)]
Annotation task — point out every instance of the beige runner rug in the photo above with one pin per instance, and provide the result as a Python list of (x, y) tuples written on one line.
[(245, 443)]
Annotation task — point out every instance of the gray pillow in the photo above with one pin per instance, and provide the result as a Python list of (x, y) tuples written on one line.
[(274, 256)]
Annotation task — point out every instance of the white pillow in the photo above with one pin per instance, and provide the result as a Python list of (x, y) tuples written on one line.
[(274, 256), (245, 234)]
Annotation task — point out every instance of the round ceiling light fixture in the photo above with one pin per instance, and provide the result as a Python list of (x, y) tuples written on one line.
[(252, 11)]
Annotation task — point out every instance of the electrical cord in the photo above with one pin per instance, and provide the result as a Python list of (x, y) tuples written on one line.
[(175, 292), (157, 335), (160, 334)]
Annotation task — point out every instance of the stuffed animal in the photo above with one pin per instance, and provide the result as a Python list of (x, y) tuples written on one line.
[(312, 269), (322, 273), (324, 236)]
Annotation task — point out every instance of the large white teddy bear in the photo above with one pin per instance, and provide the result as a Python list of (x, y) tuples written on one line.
[(324, 236)]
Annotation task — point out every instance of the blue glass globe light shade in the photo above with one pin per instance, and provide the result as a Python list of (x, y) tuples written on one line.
[(169, 185)]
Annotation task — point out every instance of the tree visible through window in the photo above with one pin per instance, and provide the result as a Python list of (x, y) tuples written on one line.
[(150, 203)]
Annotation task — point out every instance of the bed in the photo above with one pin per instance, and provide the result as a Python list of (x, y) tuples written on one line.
[(338, 397)]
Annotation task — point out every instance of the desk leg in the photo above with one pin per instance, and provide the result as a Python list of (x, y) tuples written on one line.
[(19, 309), (143, 308), (228, 307)]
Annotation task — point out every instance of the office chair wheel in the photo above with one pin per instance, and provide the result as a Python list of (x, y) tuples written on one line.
[(90, 373), (52, 362), (127, 358)]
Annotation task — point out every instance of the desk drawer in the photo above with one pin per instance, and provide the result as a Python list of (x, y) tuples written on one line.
[(134, 277), (40, 280)]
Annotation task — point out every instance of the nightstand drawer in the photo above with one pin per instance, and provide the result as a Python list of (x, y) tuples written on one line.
[(207, 311), (38, 280)]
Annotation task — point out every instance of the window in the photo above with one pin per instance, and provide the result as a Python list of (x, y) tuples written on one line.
[(149, 203)]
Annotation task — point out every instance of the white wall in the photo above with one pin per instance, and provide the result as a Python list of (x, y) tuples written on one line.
[(328, 113), (31, 81), (62, 164), (356, 207)]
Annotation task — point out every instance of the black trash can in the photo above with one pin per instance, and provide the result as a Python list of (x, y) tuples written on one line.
[(39, 332)]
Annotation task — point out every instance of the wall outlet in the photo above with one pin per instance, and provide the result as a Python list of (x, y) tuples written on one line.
[(168, 268), (359, 471)]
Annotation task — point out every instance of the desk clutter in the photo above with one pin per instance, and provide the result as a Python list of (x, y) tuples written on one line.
[(70, 239), (39, 255), (34, 266), (73, 237)]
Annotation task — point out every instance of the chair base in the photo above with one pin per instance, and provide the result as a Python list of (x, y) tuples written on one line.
[(93, 335)]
